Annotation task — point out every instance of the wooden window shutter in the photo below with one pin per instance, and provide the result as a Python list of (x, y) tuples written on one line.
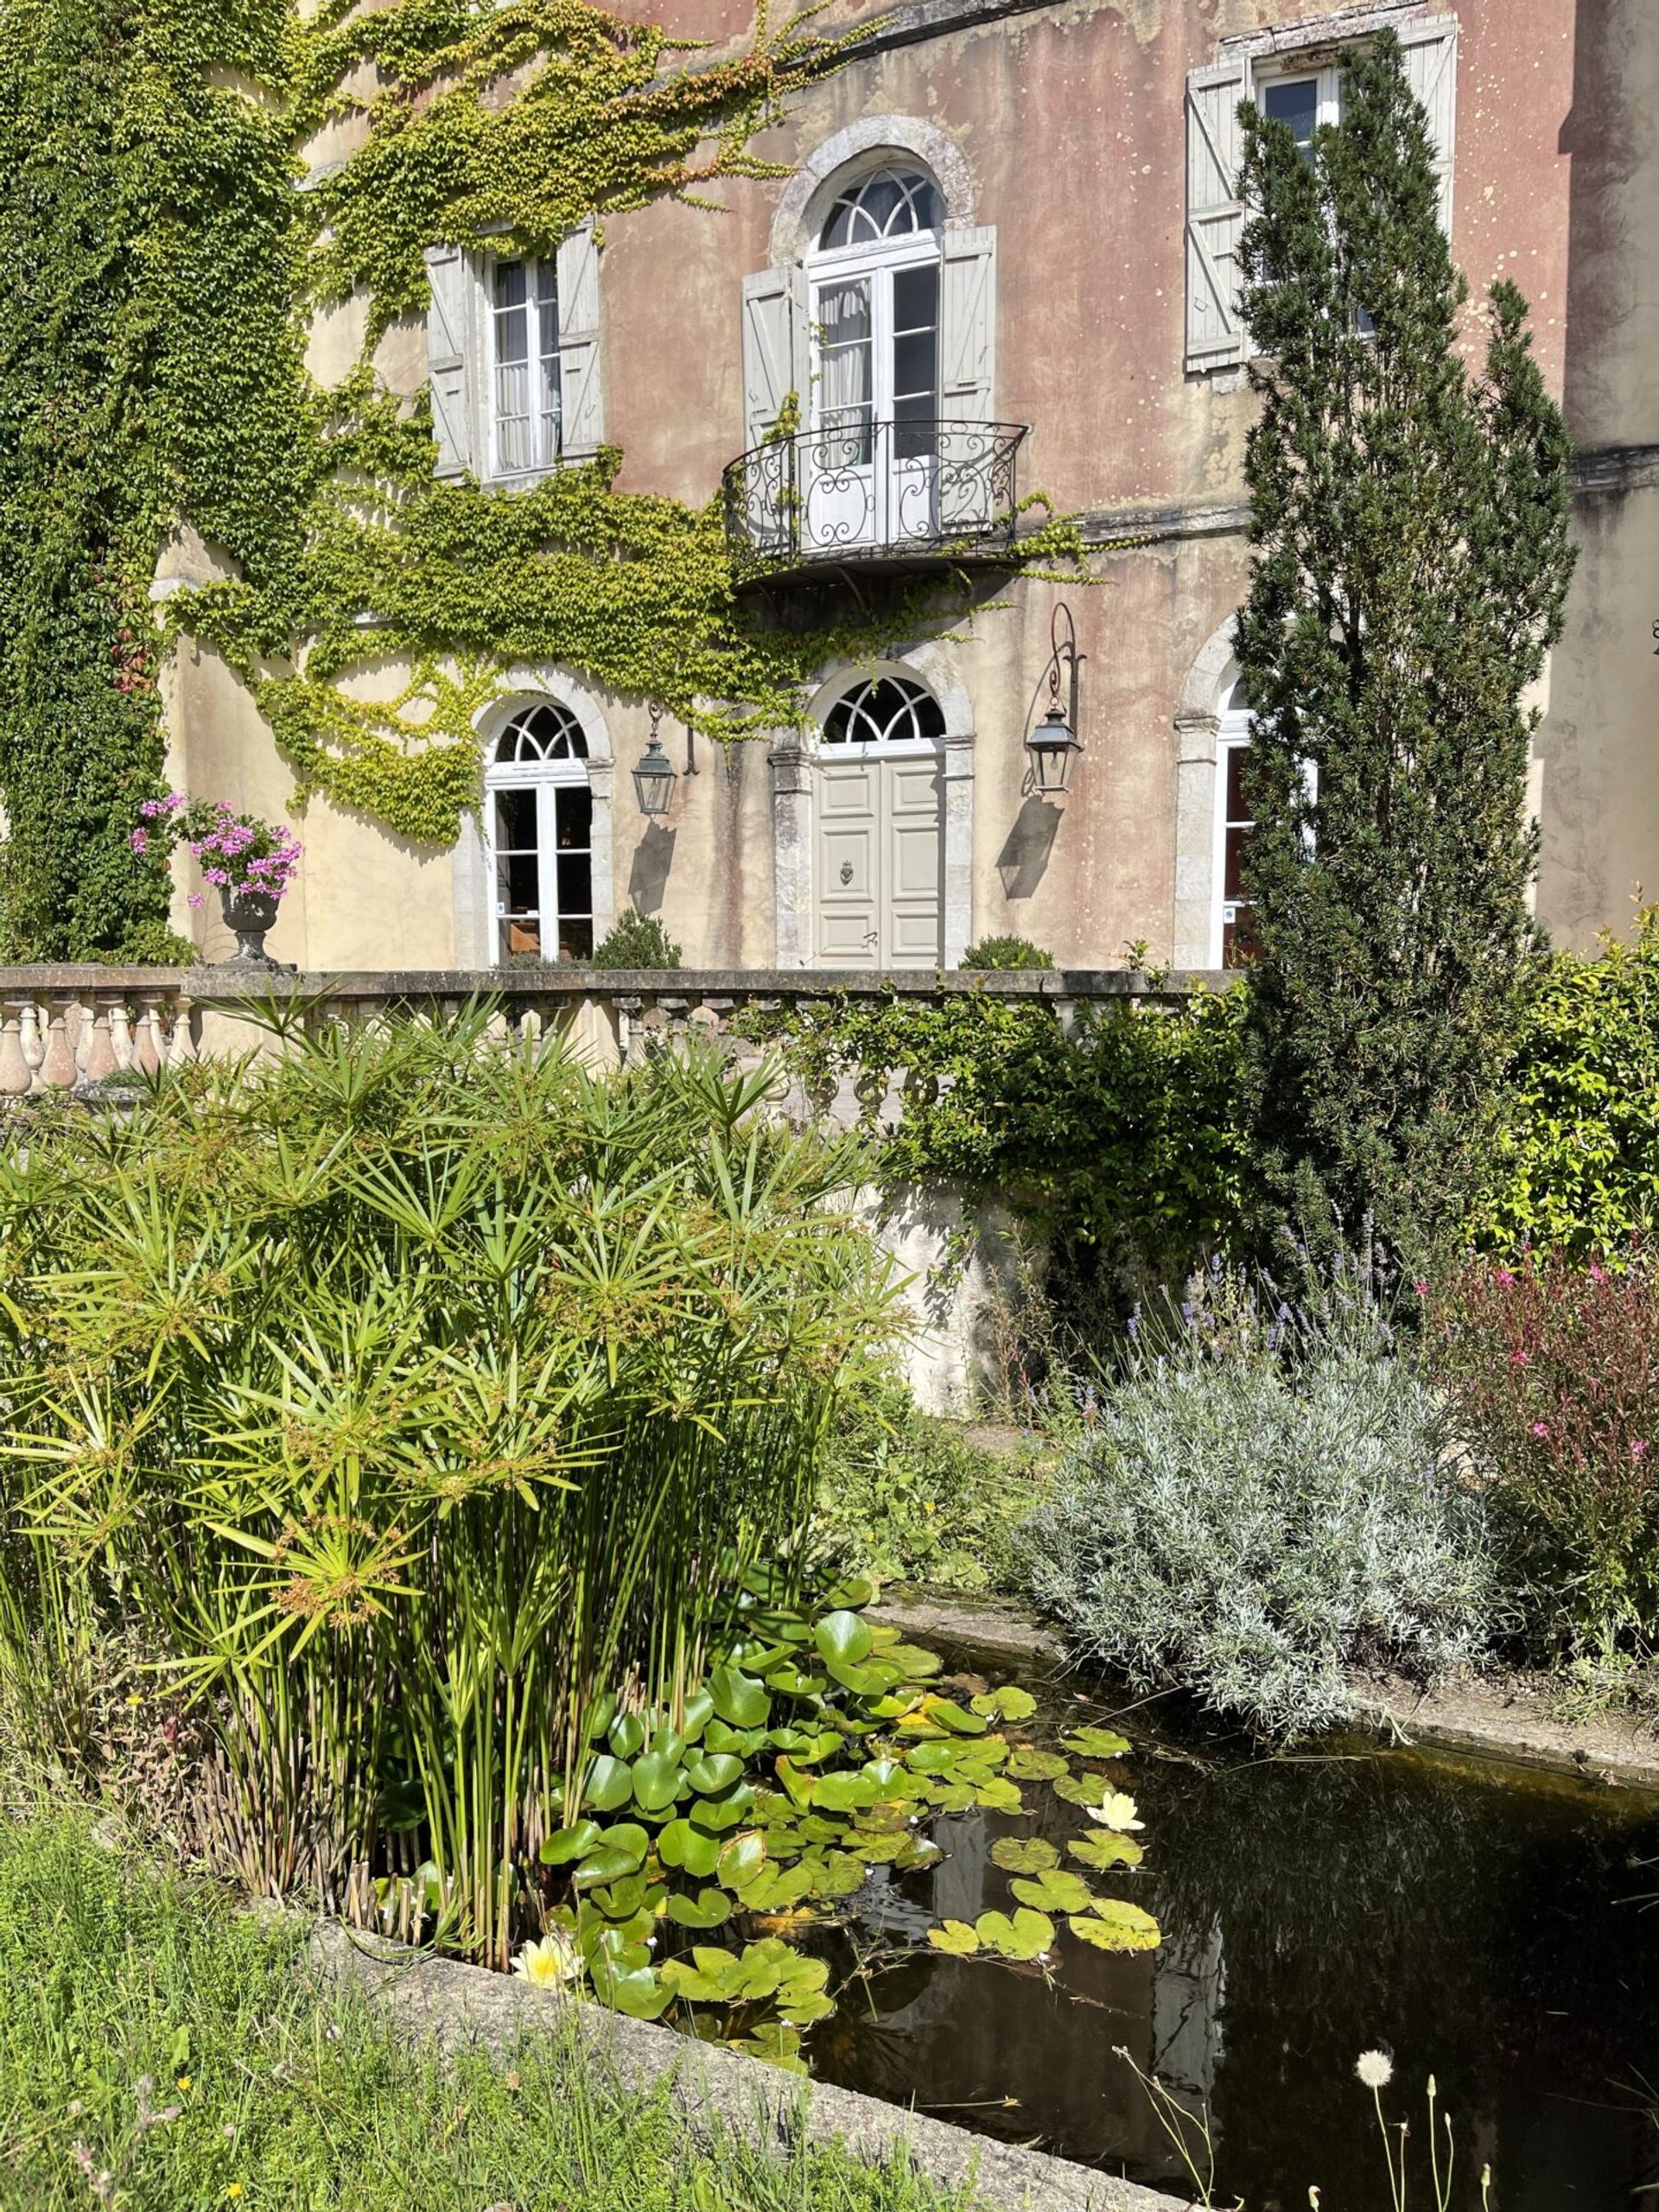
[(967, 325), (774, 348), (1215, 214), (1430, 47), (450, 358), (582, 427)]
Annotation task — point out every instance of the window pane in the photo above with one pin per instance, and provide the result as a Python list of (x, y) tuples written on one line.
[(1232, 880), (916, 297), (515, 822), (1294, 100), (517, 883), (512, 285), (575, 886), (573, 814), (521, 937), (916, 364), (1237, 807), (576, 939)]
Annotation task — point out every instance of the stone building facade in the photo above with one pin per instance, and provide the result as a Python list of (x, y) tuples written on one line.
[(1001, 260)]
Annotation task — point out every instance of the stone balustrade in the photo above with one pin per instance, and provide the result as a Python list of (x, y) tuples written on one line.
[(77, 1028)]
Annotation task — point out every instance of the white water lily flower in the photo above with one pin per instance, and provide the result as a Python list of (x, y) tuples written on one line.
[(1116, 1811), (1375, 2068), (553, 1960)]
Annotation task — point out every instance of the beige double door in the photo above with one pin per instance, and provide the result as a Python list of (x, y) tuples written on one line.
[(879, 861)]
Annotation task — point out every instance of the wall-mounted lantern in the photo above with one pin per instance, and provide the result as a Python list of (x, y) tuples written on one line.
[(1054, 743), (654, 777)]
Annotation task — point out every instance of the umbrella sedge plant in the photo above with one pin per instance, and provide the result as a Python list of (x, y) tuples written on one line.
[(404, 1390)]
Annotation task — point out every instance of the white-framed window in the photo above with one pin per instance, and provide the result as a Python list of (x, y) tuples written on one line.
[(1232, 930), (1295, 76), (891, 712), (539, 808), (513, 355), (525, 404)]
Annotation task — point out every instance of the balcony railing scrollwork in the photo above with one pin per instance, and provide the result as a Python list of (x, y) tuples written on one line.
[(864, 490)]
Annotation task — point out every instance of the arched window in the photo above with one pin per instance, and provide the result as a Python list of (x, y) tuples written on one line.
[(1233, 933), (874, 278), (885, 710), (541, 815)]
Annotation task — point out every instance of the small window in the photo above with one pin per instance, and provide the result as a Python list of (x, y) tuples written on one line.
[(1233, 939), (548, 732), (893, 203), (887, 710), (526, 393)]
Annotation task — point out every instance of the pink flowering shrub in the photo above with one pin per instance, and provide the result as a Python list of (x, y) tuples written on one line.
[(1553, 1367), (235, 851)]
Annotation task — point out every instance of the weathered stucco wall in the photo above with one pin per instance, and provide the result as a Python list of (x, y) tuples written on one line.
[(1068, 117)]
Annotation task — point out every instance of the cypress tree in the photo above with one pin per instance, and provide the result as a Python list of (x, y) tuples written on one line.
[(1410, 562)]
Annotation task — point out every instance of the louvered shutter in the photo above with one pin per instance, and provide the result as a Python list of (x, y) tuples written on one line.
[(580, 394), (449, 356), (967, 325), (774, 347), (1431, 59), (1215, 214)]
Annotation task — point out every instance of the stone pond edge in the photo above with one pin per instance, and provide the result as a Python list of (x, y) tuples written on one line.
[(1468, 1719), (441, 2002)]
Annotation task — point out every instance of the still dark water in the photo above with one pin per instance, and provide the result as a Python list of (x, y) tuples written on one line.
[(1489, 1930)]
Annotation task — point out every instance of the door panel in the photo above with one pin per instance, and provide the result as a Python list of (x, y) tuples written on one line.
[(847, 865), (880, 864)]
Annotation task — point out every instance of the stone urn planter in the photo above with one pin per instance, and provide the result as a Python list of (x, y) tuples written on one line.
[(250, 913)]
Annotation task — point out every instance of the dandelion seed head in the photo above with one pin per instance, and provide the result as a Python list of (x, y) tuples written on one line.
[(1375, 2068)]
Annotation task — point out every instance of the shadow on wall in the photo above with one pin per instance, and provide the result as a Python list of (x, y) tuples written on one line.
[(648, 878), (1023, 862)]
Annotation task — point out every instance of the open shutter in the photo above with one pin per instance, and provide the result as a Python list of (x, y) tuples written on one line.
[(967, 325), (449, 357), (774, 347), (1431, 59), (1215, 214), (582, 398)]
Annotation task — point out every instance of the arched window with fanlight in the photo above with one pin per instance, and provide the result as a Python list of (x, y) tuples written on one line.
[(539, 805), (879, 851)]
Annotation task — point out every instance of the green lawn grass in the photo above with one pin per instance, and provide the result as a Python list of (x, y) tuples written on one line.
[(162, 2051)]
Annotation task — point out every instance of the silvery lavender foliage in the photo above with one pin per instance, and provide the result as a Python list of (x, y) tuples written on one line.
[(1269, 1499)]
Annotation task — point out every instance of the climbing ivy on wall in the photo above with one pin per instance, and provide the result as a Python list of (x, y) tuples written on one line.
[(160, 260)]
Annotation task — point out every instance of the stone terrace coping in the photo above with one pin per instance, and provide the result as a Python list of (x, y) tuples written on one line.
[(226, 982)]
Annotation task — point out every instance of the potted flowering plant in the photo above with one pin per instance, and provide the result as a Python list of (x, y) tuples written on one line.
[(250, 863)]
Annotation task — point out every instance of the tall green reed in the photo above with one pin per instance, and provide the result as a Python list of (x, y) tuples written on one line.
[(410, 1393)]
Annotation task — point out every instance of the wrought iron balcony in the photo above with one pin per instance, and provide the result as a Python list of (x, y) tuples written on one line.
[(892, 493)]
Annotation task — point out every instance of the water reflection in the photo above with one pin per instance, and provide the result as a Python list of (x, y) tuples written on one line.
[(1489, 1931)]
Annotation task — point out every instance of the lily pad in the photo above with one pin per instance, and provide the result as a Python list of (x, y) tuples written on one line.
[(844, 1793), (656, 1780), (708, 1909), (740, 1859), (627, 1735), (740, 1700), (1096, 1743), (566, 1844), (998, 1794), (681, 1845), (1007, 1703), (1106, 1850), (609, 1784), (1111, 1924), (1027, 1764), (604, 1866), (1024, 1854), (1080, 1788), (719, 1814), (1056, 1890), (945, 1712), (954, 1937), (1023, 1934), (713, 1772), (920, 1665), (843, 1637)]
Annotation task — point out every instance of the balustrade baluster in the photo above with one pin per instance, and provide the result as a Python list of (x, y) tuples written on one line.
[(34, 1047), (98, 1053), (57, 1070), (15, 1073)]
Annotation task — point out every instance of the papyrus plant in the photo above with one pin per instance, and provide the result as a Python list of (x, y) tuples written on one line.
[(412, 1391)]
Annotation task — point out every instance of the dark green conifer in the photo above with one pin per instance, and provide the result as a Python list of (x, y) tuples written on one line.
[(1411, 560)]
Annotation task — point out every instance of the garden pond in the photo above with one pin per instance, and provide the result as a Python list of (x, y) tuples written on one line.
[(1496, 1929)]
